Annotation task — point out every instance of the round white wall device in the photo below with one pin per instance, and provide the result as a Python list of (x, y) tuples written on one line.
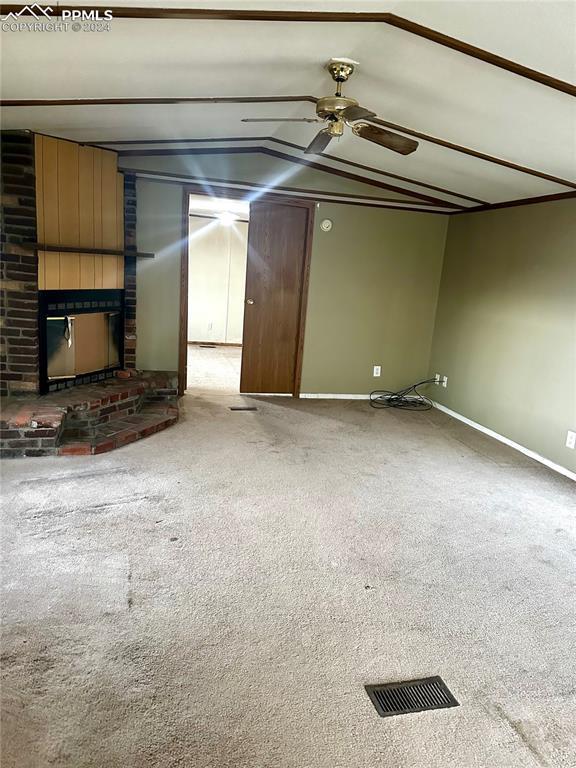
[(326, 225)]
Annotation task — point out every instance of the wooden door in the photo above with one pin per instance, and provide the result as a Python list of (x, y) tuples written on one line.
[(278, 243)]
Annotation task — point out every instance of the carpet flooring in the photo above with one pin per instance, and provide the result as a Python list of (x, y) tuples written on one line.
[(217, 595), (214, 370)]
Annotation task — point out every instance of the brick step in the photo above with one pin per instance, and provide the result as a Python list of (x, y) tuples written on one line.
[(27, 430), (86, 422), (123, 429), (40, 426)]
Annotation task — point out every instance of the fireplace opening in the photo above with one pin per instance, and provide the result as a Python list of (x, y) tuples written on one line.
[(81, 337)]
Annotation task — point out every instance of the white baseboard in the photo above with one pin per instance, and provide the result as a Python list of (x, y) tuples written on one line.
[(324, 396), (490, 432)]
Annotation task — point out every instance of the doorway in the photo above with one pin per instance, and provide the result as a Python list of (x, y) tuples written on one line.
[(267, 351), (217, 254)]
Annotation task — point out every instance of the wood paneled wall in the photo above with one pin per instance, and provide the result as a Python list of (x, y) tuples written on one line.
[(80, 203)]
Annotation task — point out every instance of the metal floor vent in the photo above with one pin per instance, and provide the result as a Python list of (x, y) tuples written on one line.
[(410, 696), (243, 408)]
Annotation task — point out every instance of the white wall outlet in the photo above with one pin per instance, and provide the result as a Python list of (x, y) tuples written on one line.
[(436, 378), (571, 439), (444, 381), (377, 370)]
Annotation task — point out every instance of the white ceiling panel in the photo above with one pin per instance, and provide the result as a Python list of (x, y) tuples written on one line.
[(407, 80)]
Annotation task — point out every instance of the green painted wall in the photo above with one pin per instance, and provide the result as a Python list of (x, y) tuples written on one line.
[(372, 297), (505, 330), (374, 282), (159, 228), (501, 322)]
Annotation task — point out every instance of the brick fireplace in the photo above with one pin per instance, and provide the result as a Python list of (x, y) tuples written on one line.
[(29, 219), (68, 304)]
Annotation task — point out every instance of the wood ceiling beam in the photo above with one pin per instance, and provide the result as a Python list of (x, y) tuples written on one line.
[(164, 177), (391, 19), (481, 54), (154, 101), (521, 201), (204, 185), (257, 99), (274, 140), (473, 152), (428, 199)]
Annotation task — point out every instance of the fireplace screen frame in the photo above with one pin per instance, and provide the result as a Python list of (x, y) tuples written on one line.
[(71, 303)]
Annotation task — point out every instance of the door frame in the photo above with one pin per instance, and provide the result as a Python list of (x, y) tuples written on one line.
[(241, 194)]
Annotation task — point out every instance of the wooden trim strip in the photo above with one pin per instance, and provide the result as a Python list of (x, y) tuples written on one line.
[(77, 249), (353, 164), (520, 201), (290, 158), (274, 140), (212, 140), (257, 185), (243, 194), (154, 100), (473, 152), (361, 179), (423, 137), (479, 53), (398, 22)]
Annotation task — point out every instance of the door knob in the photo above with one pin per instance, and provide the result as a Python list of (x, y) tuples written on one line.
[(249, 301)]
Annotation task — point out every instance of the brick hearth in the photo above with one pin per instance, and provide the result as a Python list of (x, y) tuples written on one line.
[(88, 419)]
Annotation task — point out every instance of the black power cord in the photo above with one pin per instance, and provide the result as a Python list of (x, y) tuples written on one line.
[(409, 398)]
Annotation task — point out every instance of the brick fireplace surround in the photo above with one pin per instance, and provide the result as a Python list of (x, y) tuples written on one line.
[(19, 267), (33, 425)]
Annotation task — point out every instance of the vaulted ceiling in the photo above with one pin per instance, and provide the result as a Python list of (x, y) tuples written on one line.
[(491, 104)]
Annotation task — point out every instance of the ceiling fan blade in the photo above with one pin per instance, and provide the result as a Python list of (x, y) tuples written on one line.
[(387, 139), (356, 113), (318, 143), (280, 120)]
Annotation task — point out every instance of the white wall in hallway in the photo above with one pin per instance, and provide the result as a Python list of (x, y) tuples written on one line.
[(216, 280)]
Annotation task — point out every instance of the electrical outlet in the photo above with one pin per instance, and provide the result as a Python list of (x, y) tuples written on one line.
[(444, 381), (436, 378), (377, 370), (571, 439)]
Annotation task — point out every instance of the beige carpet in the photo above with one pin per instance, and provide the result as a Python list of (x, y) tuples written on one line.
[(214, 369), (217, 595)]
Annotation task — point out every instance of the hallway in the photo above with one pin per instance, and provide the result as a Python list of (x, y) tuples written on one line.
[(213, 369)]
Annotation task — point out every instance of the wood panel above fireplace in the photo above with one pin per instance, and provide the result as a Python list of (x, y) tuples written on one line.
[(80, 204)]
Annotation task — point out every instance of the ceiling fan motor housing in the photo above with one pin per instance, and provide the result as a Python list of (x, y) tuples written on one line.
[(341, 69), (330, 106)]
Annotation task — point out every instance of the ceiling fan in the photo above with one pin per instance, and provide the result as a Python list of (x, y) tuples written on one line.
[(338, 111)]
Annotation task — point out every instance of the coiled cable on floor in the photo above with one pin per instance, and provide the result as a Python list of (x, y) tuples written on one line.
[(409, 398)]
